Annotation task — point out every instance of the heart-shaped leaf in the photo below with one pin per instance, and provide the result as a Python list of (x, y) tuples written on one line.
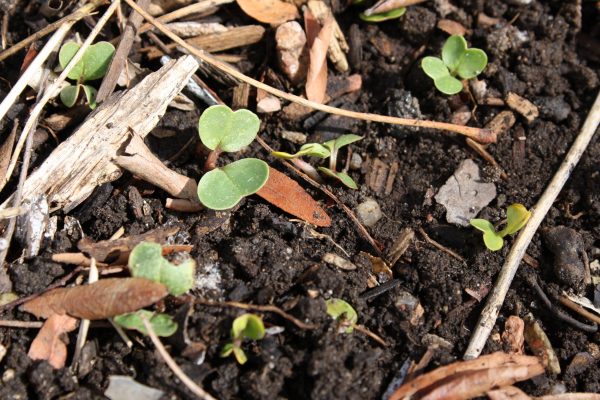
[(491, 238), (434, 67), (392, 14), (472, 63), (162, 324), (69, 95), (448, 85), (516, 217), (340, 176), (453, 51), (220, 127), (223, 188), (93, 64), (178, 278), (248, 326)]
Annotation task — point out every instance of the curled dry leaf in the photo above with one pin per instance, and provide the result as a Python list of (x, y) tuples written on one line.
[(513, 334), (269, 11), (316, 77), (287, 194), (99, 300), (509, 367), (49, 344)]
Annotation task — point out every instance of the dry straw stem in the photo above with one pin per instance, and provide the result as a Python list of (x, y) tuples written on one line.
[(198, 7), (479, 134), (190, 384), (69, 19), (52, 89), (509, 269)]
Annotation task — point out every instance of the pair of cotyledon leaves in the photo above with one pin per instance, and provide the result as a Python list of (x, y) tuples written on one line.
[(457, 60), (246, 326), (222, 129), (91, 66), (516, 217)]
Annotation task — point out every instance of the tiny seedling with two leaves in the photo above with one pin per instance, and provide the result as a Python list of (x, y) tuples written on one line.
[(223, 130), (146, 261), (516, 218), (246, 326), (92, 66), (457, 60), (344, 313), (329, 150)]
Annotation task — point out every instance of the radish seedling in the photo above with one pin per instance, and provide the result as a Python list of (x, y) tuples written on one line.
[(162, 324), (344, 313), (457, 60), (220, 130), (92, 66), (246, 326), (516, 217), (329, 150)]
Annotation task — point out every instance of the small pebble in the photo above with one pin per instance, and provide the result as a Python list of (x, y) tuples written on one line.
[(294, 137), (355, 161), (268, 105), (369, 212), (339, 262)]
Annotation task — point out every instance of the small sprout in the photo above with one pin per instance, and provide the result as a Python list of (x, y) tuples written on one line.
[(516, 217), (457, 60), (344, 313), (92, 66), (162, 324), (221, 129), (384, 16), (328, 149), (246, 326), (146, 261)]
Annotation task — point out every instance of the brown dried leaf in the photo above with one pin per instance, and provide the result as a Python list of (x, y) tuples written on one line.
[(99, 300), (316, 77), (457, 370), (513, 334), (287, 194), (507, 393), (269, 11), (50, 342), (451, 27)]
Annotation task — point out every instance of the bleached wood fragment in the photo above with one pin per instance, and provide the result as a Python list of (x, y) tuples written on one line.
[(338, 46), (84, 160)]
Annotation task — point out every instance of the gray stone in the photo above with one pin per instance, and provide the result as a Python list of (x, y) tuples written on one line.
[(369, 212)]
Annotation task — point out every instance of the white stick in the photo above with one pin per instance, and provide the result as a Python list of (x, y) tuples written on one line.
[(190, 384), (50, 91), (85, 323), (509, 269), (34, 67)]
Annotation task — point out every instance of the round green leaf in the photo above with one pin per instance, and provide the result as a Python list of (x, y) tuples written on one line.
[(453, 51), (493, 241), (69, 95), (434, 67), (90, 95), (146, 261), (223, 188), (483, 225), (178, 278), (341, 311), (516, 217), (472, 63), (66, 53), (249, 326), (392, 14), (96, 60), (220, 127), (448, 85)]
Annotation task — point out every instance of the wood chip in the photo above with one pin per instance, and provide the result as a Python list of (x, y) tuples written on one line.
[(269, 11), (338, 46), (522, 106), (513, 334), (451, 27), (400, 245), (501, 123), (316, 76), (539, 343), (340, 262)]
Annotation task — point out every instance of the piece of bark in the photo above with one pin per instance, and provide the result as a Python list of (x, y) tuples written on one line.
[(522, 106), (82, 162), (49, 344), (318, 39), (513, 335), (338, 46), (288, 195), (269, 11), (230, 39), (99, 300)]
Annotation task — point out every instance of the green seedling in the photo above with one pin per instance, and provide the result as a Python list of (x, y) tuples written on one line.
[(344, 313), (457, 60), (92, 66), (146, 261), (329, 150), (246, 326), (162, 324), (516, 217), (220, 130), (384, 16)]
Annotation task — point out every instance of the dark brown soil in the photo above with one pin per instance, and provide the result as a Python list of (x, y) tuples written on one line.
[(259, 256)]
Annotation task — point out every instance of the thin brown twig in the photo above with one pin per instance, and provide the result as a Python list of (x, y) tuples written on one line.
[(197, 7), (439, 246), (75, 16), (370, 334), (266, 308), (8, 323), (479, 134), (565, 301), (190, 384)]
